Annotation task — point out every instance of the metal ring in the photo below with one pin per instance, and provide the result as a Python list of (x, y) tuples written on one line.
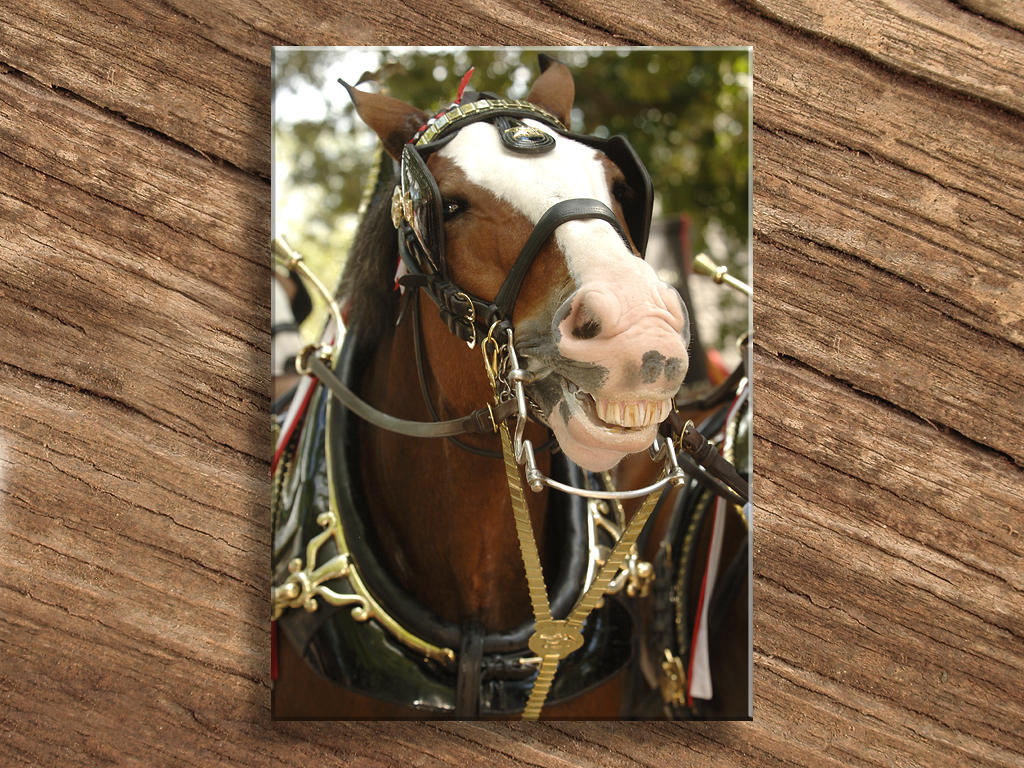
[(324, 351)]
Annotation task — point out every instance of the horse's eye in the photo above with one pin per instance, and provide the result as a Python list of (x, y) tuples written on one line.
[(622, 192), (450, 208)]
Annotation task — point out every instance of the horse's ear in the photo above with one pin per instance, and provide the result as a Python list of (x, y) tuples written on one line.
[(554, 89), (394, 121)]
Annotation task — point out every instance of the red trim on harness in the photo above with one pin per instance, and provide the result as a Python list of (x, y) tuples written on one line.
[(293, 416), (457, 102), (463, 84), (290, 428), (698, 626), (700, 613)]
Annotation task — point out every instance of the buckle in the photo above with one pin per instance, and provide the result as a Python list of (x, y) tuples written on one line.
[(323, 351), (469, 322)]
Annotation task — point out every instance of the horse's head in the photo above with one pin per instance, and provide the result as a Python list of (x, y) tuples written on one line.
[(604, 339)]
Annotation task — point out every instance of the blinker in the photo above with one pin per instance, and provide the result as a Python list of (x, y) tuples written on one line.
[(421, 207)]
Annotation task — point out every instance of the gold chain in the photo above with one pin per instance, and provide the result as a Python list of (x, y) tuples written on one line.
[(524, 529), (548, 637)]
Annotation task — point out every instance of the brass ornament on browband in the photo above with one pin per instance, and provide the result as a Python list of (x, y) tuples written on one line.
[(522, 138), (506, 114)]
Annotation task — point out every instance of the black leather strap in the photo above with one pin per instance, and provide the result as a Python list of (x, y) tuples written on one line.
[(559, 213), (467, 686), (464, 314), (479, 421), (705, 454), (468, 316)]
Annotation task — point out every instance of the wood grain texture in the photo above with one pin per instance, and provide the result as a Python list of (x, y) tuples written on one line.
[(889, 329)]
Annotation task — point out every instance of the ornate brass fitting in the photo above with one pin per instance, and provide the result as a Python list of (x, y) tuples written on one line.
[(673, 679), (636, 576), (401, 207), (305, 584)]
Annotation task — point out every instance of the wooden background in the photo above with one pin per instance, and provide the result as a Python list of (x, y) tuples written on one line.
[(134, 355)]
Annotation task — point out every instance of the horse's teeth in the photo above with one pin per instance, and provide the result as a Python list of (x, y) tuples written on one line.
[(631, 415), (640, 413)]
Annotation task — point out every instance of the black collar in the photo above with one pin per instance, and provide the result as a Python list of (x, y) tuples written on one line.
[(352, 506)]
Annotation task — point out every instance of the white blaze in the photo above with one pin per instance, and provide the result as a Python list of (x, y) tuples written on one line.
[(531, 184)]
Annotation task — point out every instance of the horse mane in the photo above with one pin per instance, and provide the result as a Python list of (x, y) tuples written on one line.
[(367, 285)]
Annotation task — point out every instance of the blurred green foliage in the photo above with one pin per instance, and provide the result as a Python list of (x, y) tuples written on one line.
[(686, 112)]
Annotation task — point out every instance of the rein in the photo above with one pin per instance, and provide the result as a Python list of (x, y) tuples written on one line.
[(319, 361), (480, 421)]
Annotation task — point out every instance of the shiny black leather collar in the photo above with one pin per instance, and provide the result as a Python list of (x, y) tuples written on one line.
[(352, 506), (363, 656)]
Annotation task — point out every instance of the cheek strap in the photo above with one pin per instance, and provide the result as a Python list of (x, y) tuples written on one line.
[(559, 213)]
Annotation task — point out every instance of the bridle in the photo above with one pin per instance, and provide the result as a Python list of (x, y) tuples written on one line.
[(417, 213), (418, 217)]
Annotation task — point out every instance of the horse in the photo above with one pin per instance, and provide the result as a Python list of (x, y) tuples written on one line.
[(413, 577)]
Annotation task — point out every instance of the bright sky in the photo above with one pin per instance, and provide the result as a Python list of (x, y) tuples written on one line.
[(312, 104)]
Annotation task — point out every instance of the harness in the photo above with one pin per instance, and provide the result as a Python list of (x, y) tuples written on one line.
[(357, 627), (701, 590), (566, 629)]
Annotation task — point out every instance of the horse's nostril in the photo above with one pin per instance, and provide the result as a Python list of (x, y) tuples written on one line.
[(586, 324), (587, 330)]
